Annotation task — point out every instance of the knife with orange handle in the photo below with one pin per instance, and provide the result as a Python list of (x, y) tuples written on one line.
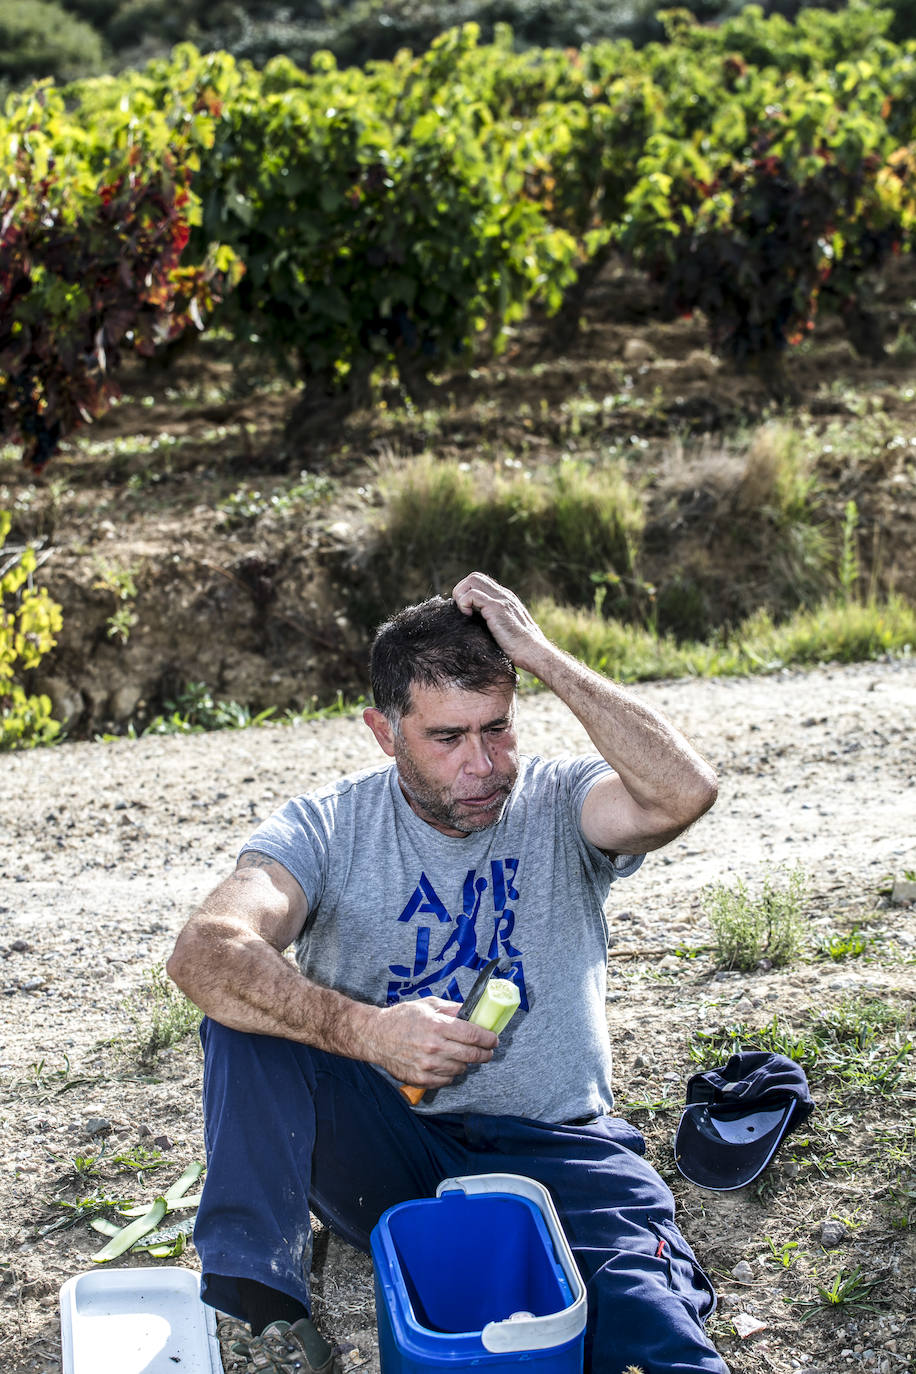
[(466, 1011)]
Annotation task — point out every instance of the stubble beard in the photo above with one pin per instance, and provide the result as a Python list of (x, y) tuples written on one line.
[(437, 803)]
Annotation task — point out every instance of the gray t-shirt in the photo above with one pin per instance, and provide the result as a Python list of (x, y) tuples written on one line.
[(397, 909)]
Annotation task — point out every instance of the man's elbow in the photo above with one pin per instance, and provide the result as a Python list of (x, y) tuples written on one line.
[(180, 965), (703, 792)]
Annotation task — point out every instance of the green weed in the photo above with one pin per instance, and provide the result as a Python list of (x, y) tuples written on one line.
[(247, 504), (833, 631), (340, 706), (849, 946), (777, 506), (196, 709), (784, 1254), (121, 583), (85, 1165), (827, 1163), (161, 1016), (848, 570), (44, 1077), (779, 482), (708, 1048), (132, 445), (849, 1288), (139, 1159), (862, 1042), (749, 929), (83, 1209), (120, 623), (530, 528)]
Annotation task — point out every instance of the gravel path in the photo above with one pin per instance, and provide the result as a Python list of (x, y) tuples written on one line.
[(107, 847)]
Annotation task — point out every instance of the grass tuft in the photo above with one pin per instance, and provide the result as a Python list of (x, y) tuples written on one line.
[(834, 631), (533, 529), (863, 1042), (161, 1016), (748, 929)]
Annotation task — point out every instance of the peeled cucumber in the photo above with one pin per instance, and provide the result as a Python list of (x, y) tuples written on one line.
[(497, 1006)]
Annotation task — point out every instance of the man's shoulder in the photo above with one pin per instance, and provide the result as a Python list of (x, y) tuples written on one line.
[(365, 785)]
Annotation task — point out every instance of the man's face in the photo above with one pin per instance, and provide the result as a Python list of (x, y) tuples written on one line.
[(456, 754)]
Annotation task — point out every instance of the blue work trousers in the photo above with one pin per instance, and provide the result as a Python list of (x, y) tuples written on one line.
[(291, 1129)]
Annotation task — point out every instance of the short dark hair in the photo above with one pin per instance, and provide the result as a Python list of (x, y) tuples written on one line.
[(434, 644)]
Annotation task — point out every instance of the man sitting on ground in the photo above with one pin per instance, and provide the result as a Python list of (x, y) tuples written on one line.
[(396, 885)]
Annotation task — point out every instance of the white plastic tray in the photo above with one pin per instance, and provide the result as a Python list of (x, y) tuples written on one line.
[(137, 1321)]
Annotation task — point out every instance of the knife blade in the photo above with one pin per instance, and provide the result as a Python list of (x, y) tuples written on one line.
[(478, 987)]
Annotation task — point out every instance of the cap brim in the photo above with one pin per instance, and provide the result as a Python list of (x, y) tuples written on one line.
[(722, 1148)]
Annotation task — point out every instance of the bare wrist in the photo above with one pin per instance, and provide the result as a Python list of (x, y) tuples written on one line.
[(361, 1030)]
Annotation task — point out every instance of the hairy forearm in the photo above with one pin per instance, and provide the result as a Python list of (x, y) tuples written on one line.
[(662, 784), (240, 980), (656, 764), (228, 960)]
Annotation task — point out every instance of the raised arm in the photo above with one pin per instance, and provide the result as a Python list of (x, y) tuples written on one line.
[(661, 784), (228, 960)]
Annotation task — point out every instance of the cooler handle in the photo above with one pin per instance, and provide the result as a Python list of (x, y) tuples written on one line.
[(529, 1333)]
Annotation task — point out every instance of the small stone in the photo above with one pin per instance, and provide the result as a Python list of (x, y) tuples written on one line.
[(97, 1125), (21, 947), (162, 1142), (833, 1233), (638, 351), (745, 1325), (33, 984), (144, 1131), (743, 1272), (903, 891)]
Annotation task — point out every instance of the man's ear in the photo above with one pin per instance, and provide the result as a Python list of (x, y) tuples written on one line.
[(380, 726)]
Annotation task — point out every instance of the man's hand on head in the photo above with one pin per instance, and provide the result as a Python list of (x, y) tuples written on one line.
[(659, 784), (509, 621)]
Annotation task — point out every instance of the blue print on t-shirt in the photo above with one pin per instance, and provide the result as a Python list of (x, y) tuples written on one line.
[(478, 933)]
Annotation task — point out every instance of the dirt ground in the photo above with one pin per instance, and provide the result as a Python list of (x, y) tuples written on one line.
[(108, 846)]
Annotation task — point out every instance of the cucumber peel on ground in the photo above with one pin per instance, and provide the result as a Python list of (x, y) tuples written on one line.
[(129, 1235), (181, 1185), (175, 1197), (105, 1227), (147, 1218), (163, 1244), (177, 1204)]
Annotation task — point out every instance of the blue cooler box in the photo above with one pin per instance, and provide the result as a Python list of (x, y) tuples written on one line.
[(481, 1276)]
